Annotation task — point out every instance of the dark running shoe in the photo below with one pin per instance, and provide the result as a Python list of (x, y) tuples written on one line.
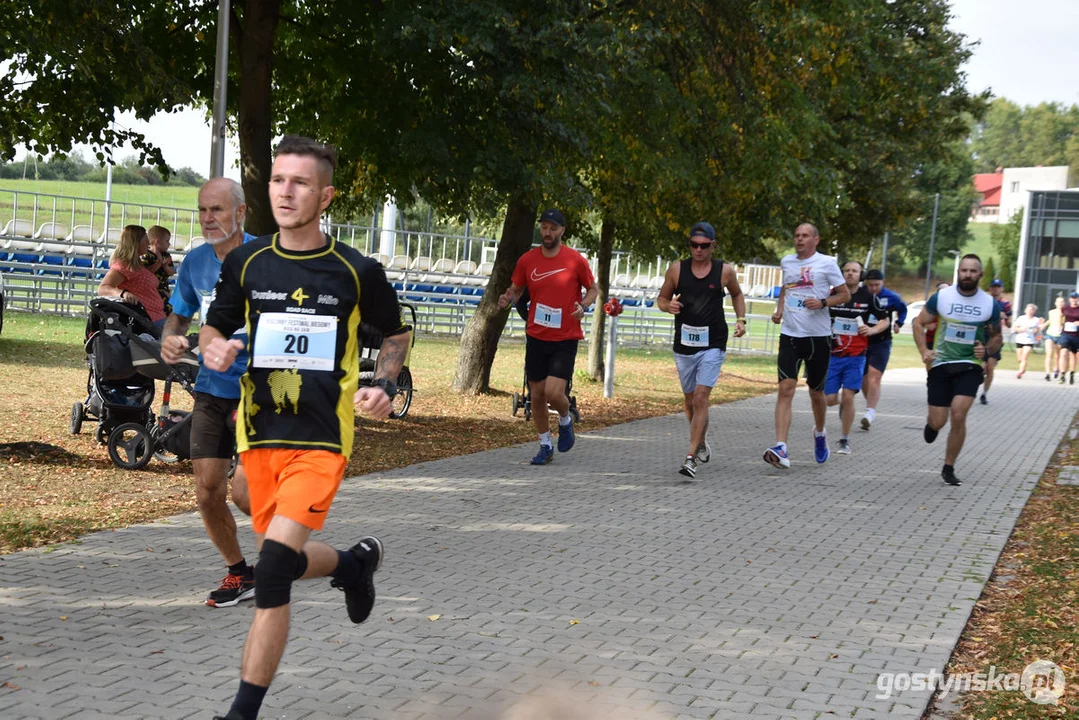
[(983, 399), (234, 590), (360, 597), (930, 434), (233, 715), (544, 456), (949, 476), (566, 438)]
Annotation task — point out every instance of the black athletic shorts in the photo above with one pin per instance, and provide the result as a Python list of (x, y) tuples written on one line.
[(815, 352), (549, 358), (947, 381), (213, 429)]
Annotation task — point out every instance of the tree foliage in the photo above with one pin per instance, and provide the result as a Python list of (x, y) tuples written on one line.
[(1005, 239), (1014, 136)]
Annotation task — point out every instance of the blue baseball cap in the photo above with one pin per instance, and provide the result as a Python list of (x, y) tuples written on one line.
[(554, 216), (705, 229), (997, 282)]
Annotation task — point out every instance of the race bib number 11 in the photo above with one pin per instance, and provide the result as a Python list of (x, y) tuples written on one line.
[(299, 342)]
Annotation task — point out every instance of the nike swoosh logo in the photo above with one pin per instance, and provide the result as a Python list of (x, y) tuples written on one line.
[(313, 510), (536, 277)]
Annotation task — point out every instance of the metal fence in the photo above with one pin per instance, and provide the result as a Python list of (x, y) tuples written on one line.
[(54, 251)]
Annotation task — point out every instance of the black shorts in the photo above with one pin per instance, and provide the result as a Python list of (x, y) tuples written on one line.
[(1069, 343), (549, 358), (947, 381), (213, 428), (1023, 345), (994, 356), (815, 352)]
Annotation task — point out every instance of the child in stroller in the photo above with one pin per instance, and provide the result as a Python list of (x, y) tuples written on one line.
[(123, 354)]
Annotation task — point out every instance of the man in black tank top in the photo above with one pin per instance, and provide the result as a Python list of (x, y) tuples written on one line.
[(693, 292)]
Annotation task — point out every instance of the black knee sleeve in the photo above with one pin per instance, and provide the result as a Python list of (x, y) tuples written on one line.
[(274, 573)]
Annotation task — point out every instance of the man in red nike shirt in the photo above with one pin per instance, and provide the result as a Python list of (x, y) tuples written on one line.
[(554, 276)]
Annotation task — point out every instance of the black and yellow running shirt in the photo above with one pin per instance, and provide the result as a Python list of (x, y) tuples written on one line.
[(302, 310)]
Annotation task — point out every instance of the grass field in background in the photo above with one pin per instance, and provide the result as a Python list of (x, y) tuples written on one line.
[(179, 196)]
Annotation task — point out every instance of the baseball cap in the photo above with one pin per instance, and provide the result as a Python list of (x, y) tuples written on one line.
[(554, 216), (703, 228), (874, 275), (1074, 295), (997, 282)]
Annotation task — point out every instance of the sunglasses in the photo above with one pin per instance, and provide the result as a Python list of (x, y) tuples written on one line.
[(699, 246)]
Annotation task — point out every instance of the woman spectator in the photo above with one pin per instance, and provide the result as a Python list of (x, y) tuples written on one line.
[(128, 280), (1026, 328), (1054, 326)]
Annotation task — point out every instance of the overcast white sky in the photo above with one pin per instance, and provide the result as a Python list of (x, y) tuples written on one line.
[(1028, 53)]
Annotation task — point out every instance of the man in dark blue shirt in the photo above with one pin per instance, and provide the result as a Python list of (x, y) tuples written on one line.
[(880, 346)]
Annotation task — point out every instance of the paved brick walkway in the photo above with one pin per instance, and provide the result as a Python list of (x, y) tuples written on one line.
[(602, 579)]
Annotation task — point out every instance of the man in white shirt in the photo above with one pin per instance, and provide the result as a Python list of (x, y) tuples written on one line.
[(805, 336)]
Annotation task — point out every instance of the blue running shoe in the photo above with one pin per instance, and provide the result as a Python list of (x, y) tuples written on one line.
[(777, 457), (820, 448), (545, 455), (566, 438)]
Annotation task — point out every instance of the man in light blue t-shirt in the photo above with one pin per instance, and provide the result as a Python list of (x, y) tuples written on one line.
[(217, 394)]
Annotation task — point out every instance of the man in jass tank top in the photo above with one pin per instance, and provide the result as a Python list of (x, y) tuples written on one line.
[(693, 292)]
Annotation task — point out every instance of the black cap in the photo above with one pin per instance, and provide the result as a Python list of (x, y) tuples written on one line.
[(874, 275), (554, 216), (703, 228)]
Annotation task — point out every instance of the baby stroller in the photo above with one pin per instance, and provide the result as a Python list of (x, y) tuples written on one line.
[(370, 342), (124, 358), (523, 399)]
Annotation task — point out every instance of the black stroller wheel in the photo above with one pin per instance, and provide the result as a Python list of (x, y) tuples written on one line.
[(131, 446), (402, 401), (102, 432), (516, 403), (77, 416), (573, 410)]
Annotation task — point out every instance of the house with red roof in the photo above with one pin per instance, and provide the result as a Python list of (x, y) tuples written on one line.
[(988, 185)]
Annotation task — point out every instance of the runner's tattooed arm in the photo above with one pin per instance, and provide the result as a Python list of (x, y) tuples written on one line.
[(994, 339), (391, 356)]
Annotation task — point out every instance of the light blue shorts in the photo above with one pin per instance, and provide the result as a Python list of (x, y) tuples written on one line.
[(699, 369)]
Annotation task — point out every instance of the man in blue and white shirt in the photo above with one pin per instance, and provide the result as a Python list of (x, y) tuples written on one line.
[(217, 394)]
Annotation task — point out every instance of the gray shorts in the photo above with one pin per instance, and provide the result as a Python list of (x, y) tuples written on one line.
[(700, 368)]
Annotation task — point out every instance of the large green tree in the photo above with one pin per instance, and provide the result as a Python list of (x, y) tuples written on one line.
[(1014, 136)]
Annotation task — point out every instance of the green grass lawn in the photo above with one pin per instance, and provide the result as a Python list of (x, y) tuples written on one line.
[(180, 196)]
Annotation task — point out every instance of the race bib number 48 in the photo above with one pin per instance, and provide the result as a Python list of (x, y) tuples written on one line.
[(960, 334), (299, 342)]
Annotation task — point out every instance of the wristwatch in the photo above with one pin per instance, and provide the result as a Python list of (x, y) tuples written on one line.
[(388, 386), (740, 320)]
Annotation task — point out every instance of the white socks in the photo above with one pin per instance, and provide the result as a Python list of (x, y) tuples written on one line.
[(564, 420), (545, 439), (870, 414)]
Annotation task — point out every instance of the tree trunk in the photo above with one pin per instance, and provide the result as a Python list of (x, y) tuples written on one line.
[(480, 339), (599, 318), (255, 49)]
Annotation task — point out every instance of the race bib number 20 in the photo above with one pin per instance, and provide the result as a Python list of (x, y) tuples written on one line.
[(295, 342)]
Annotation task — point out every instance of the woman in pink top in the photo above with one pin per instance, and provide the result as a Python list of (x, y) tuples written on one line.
[(128, 280)]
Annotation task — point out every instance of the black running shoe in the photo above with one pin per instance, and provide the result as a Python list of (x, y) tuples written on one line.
[(949, 477), (234, 590), (984, 400), (930, 434), (360, 597), (233, 715)]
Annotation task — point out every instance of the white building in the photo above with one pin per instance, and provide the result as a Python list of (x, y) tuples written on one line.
[(1019, 182)]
